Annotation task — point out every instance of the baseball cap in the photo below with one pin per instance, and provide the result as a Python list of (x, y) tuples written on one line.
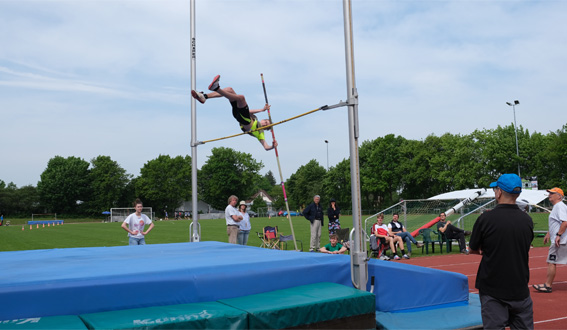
[(556, 190), (510, 183)]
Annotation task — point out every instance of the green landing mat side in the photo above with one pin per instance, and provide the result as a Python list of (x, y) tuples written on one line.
[(302, 305), (45, 323), (205, 315)]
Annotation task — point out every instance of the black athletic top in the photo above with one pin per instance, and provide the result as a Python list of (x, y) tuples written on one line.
[(504, 235)]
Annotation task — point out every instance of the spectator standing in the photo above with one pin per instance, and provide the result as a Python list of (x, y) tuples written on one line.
[(334, 247), (232, 217), (333, 213), (134, 224), (244, 224), (397, 228), (452, 232), (503, 237), (314, 213), (556, 235)]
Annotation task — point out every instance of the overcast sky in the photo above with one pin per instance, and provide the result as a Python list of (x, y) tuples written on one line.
[(112, 77)]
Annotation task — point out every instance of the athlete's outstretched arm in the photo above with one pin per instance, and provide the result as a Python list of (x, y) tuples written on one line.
[(267, 146), (266, 107)]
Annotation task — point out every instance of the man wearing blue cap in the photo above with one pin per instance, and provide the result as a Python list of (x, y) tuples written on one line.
[(503, 237)]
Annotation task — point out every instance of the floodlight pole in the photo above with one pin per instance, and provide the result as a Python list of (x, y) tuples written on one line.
[(194, 230), (513, 105), (327, 143), (359, 262)]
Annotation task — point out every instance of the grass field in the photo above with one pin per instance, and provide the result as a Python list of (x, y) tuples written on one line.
[(91, 234)]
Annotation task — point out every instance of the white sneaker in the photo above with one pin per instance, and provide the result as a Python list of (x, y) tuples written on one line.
[(199, 96), (396, 257), (406, 256), (215, 84), (385, 258)]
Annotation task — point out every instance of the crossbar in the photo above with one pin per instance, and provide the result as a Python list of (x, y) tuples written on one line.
[(324, 107)]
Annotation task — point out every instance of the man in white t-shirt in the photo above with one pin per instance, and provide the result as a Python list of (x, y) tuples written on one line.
[(557, 236), (232, 217), (134, 224)]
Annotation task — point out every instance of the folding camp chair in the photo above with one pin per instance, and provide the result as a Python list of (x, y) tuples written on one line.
[(344, 237), (269, 237), (377, 249), (287, 238)]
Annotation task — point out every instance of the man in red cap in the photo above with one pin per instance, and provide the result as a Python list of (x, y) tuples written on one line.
[(557, 236)]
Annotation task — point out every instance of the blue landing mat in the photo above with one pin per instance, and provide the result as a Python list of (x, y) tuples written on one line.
[(453, 317), (89, 280), (45, 222)]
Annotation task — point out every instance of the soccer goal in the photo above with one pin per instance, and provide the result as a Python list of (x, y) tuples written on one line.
[(119, 214), (43, 216), (415, 213)]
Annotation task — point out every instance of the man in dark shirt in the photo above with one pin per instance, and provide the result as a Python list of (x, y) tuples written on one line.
[(503, 237), (314, 213), (452, 232)]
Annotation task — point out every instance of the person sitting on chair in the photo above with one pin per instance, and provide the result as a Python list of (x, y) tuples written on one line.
[(452, 232), (380, 231), (397, 228), (334, 247)]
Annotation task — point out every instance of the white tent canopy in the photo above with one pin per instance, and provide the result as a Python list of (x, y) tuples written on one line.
[(532, 197)]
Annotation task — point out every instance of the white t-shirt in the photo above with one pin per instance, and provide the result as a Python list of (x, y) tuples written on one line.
[(245, 222), (137, 223), (380, 229), (556, 217), (228, 213)]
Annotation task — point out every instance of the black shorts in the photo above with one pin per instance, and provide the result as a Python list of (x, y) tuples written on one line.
[(242, 115)]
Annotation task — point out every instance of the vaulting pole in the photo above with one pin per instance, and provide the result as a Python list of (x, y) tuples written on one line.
[(359, 262), (279, 166), (194, 232)]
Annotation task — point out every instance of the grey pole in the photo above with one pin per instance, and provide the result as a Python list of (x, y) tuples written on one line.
[(327, 143), (194, 230), (513, 105), (359, 266)]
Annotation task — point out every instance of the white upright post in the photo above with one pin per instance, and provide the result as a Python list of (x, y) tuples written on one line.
[(194, 231), (359, 263)]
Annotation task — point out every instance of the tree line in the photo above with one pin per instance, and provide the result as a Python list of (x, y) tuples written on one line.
[(391, 168)]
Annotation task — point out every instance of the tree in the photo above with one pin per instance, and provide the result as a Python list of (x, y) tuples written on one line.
[(64, 184), (228, 172), (381, 171), (271, 178), (551, 159), (164, 182), (258, 204), (108, 181), (305, 183), (277, 194), (336, 184)]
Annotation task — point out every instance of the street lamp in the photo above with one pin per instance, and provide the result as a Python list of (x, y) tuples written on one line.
[(327, 142), (513, 105)]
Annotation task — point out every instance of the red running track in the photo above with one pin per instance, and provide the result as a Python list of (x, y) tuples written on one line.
[(549, 308)]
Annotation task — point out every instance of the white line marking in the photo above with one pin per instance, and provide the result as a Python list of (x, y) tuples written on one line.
[(551, 320)]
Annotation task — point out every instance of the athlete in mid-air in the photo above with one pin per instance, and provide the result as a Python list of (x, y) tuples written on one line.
[(240, 111)]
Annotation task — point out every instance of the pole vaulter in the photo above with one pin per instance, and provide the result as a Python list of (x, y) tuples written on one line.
[(279, 166)]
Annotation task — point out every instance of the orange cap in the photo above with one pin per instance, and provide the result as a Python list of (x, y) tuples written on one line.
[(556, 190)]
